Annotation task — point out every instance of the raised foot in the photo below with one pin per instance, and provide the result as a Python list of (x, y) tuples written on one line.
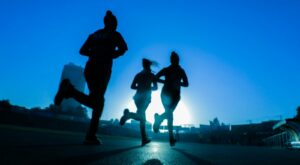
[(124, 117), (62, 92)]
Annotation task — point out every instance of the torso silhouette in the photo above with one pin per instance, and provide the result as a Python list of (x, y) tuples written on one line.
[(101, 46), (143, 84), (173, 76)]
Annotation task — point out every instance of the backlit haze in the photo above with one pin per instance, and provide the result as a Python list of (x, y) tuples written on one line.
[(241, 57)]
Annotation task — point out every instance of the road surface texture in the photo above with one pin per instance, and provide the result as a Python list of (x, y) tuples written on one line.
[(20, 145)]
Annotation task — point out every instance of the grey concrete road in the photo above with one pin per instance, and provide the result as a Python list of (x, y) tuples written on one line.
[(19, 145)]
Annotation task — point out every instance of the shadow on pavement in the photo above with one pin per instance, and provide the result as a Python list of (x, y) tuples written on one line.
[(153, 162), (85, 159), (193, 157), (41, 145)]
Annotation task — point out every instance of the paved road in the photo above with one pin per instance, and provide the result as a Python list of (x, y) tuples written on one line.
[(37, 146)]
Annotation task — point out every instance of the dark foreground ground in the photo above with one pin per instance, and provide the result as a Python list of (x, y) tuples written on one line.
[(20, 145)]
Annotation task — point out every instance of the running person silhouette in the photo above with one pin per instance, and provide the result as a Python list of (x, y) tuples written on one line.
[(175, 77), (101, 47), (144, 83)]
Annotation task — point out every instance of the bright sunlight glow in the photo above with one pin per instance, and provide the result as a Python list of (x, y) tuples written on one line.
[(181, 113)]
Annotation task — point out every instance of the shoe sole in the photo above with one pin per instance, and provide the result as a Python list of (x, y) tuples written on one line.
[(59, 95)]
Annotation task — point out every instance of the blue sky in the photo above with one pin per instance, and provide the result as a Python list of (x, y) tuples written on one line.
[(241, 57)]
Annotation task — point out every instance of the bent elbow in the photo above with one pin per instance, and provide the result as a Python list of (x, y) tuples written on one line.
[(122, 51), (186, 84), (133, 87), (81, 52), (84, 52)]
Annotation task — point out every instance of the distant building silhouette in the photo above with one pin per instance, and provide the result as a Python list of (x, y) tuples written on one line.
[(285, 132), (75, 74)]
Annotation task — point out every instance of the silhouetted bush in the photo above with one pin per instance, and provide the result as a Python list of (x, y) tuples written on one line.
[(5, 105)]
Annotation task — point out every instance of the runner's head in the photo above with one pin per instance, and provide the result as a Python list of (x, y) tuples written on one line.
[(110, 21), (174, 58), (146, 64)]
